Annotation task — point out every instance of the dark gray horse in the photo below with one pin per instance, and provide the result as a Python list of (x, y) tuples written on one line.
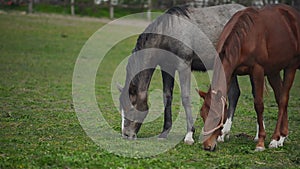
[(182, 39)]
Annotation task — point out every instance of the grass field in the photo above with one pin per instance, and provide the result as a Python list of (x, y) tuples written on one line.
[(39, 127)]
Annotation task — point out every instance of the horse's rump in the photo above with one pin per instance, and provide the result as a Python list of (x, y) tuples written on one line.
[(256, 34), (291, 16)]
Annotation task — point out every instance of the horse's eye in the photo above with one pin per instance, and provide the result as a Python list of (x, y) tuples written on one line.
[(131, 109)]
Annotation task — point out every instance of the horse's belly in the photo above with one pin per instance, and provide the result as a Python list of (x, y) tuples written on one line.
[(242, 70)]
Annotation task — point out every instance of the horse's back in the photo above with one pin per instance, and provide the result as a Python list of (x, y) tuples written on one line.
[(190, 33), (211, 20)]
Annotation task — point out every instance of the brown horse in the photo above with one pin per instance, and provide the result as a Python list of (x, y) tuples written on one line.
[(257, 43)]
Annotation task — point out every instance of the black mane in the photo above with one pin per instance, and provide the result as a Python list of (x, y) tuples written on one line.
[(179, 11), (141, 41)]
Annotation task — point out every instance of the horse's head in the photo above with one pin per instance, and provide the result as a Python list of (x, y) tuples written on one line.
[(133, 111), (213, 113)]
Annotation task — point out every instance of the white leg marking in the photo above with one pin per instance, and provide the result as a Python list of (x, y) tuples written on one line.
[(281, 141), (257, 131), (225, 130), (276, 144), (189, 138)]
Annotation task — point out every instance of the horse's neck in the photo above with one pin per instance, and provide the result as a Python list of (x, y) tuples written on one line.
[(139, 72)]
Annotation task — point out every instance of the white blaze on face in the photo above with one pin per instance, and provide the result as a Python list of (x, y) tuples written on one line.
[(123, 120)]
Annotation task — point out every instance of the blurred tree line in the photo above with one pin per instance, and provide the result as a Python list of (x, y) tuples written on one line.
[(123, 7), (157, 4)]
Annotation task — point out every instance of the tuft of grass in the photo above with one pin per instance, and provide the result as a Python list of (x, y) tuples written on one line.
[(38, 123)]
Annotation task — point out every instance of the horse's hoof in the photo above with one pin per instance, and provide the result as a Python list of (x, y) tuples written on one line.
[(227, 136), (189, 138), (220, 138), (273, 144), (189, 142), (281, 141), (276, 144), (223, 137), (162, 136), (258, 149)]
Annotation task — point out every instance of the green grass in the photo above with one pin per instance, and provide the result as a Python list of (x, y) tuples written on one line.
[(38, 123)]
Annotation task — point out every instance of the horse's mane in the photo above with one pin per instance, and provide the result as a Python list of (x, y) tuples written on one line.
[(179, 11), (235, 32)]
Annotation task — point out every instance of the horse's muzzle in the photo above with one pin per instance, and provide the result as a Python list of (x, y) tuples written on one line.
[(129, 136), (210, 147)]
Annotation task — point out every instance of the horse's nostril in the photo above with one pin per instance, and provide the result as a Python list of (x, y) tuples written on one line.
[(129, 136), (207, 148), (125, 136)]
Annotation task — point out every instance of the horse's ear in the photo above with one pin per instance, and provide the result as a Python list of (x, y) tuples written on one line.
[(120, 88), (201, 93)]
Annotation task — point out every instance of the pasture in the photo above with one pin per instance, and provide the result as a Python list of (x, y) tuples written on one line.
[(39, 127)]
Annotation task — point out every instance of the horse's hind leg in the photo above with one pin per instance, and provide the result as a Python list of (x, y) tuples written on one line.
[(276, 84), (168, 85), (185, 84), (281, 129), (233, 97)]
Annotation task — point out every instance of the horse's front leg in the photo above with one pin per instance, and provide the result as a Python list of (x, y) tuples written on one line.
[(185, 83), (281, 129), (168, 85), (233, 97), (257, 78)]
